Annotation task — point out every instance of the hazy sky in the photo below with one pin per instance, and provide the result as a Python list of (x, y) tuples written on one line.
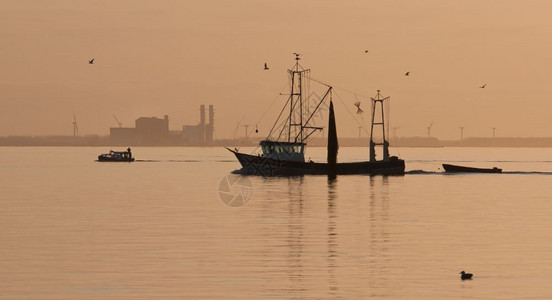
[(167, 57)]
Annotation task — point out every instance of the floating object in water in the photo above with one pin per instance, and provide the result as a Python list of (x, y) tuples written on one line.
[(464, 275)]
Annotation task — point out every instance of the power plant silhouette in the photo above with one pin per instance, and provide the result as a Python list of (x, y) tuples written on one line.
[(201, 133), (153, 131)]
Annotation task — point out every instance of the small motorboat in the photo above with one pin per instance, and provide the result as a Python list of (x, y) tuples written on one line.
[(125, 156), (462, 169)]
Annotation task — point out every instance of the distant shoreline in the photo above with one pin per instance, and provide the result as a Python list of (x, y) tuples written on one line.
[(422, 142)]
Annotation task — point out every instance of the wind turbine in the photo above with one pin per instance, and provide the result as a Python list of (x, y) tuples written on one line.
[(395, 132), (246, 126), (117, 120), (429, 129), (75, 126), (238, 127)]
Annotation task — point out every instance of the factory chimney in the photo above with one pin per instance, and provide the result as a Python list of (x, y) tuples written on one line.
[(209, 132), (201, 131)]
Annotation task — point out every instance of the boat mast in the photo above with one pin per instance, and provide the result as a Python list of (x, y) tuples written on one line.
[(296, 99), (375, 101), (298, 126), (333, 145)]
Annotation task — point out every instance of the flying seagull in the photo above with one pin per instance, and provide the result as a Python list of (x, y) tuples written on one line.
[(465, 275), (365, 51), (407, 73), (266, 67), (359, 111), (483, 86), (91, 61)]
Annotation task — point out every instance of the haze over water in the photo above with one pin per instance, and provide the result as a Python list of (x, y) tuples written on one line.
[(74, 228), (168, 57)]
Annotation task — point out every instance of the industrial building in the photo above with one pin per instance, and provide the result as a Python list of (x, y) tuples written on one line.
[(202, 133), (152, 131)]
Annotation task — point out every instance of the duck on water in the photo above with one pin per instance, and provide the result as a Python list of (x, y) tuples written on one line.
[(464, 275)]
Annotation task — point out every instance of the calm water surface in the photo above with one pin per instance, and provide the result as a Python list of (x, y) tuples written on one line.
[(74, 228)]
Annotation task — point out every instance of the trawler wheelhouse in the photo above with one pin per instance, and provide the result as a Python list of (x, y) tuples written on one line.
[(283, 150)]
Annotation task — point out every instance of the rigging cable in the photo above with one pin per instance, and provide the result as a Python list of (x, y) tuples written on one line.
[(269, 107), (350, 113)]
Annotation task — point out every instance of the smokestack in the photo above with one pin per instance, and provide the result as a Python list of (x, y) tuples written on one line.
[(201, 130), (202, 115), (211, 127)]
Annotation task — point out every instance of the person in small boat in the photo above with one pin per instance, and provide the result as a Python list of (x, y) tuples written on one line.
[(129, 153)]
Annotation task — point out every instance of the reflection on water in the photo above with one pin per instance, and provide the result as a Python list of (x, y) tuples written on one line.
[(295, 235), (379, 235), (332, 237), (72, 228)]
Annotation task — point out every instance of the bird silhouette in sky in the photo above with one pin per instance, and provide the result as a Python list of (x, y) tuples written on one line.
[(266, 67), (91, 61), (365, 51), (407, 73), (483, 86)]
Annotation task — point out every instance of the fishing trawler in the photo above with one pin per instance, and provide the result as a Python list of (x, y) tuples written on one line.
[(284, 155)]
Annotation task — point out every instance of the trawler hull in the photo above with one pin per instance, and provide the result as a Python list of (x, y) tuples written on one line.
[(259, 165)]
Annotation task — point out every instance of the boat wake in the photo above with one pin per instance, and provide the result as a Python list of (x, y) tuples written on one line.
[(422, 172), (183, 160), (476, 161), (527, 173)]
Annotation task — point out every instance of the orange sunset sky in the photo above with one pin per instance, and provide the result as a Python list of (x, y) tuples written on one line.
[(167, 57)]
